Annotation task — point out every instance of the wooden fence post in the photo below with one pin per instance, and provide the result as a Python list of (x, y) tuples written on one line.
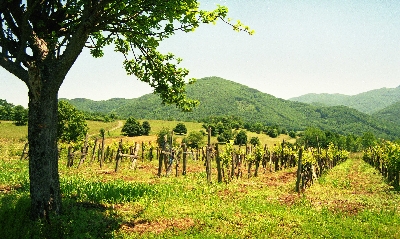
[(218, 160), (84, 151), (208, 158), (118, 157), (184, 155), (23, 152), (299, 166), (94, 150)]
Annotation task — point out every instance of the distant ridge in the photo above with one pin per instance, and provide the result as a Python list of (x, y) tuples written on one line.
[(220, 97), (368, 102)]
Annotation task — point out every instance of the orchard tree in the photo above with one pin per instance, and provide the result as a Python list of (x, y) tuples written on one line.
[(41, 40)]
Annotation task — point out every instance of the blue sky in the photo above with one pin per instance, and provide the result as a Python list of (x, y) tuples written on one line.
[(299, 47)]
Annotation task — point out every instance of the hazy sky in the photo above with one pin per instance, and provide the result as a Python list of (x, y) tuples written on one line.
[(327, 46)]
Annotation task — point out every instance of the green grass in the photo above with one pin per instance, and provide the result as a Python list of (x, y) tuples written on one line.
[(350, 201), (10, 131)]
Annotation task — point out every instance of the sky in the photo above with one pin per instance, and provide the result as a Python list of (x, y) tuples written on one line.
[(299, 47)]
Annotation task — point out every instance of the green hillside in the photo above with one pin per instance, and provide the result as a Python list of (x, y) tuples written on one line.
[(390, 113), (220, 97), (367, 102)]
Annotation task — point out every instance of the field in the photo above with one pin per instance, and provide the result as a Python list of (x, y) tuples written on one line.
[(350, 201)]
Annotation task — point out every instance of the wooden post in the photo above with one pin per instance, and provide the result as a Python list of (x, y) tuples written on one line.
[(299, 166), (161, 157), (102, 151), (118, 157), (143, 151), (84, 151), (218, 160), (208, 160), (70, 157), (184, 158), (94, 150), (23, 151)]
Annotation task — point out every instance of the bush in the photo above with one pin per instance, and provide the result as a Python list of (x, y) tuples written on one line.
[(146, 128), (255, 141), (72, 125), (195, 139), (241, 138), (180, 128), (132, 127)]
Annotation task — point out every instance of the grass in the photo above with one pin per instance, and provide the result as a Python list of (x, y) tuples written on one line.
[(351, 201)]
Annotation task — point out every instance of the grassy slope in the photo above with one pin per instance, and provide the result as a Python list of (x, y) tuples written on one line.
[(350, 201)]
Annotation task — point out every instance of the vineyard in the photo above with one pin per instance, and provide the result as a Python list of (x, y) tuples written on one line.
[(385, 157), (127, 188)]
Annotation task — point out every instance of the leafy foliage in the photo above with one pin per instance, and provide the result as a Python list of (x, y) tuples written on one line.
[(241, 138), (146, 128), (180, 128), (20, 115), (72, 126), (195, 139), (255, 141), (132, 127)]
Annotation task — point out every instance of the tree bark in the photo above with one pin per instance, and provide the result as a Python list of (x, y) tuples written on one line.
[(42, 137)]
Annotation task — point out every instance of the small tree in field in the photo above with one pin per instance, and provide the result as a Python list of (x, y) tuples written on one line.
[(146, 128), (241, 138), (72, 125), (255, 141), (132, 127), (180, 128), (195, 139), (20, 115)]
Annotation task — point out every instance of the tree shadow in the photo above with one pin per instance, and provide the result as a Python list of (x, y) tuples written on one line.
[(78, 220)]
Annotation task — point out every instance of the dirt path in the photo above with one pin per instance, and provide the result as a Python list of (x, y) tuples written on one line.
[(120, 124)]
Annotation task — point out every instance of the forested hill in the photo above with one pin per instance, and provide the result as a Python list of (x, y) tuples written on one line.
[(368, 102), (390, 113), (220, 97)]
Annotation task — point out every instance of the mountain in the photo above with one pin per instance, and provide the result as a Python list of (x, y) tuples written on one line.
[(220, 97), (390, 113), (367, 102)]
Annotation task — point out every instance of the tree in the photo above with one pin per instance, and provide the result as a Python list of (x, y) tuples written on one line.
[(225, 136), (72, 125), (195, 139), (20, 115), (132, 127), (241, 137), (146, 128), (41, 40), (368, 140), (6, 110), (180, 128), (255, 141)]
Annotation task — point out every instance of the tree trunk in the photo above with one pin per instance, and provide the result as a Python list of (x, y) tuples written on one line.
[(42, 138)]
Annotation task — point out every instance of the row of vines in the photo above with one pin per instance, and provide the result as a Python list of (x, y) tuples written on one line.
[(385, 157), (228, 160)]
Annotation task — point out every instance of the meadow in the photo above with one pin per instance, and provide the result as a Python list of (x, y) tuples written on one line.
[(351, 200)]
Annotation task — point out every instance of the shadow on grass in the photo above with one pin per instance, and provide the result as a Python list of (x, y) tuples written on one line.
[(78, 220)]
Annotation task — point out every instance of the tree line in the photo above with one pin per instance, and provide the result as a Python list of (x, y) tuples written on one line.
[(16, 113)]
